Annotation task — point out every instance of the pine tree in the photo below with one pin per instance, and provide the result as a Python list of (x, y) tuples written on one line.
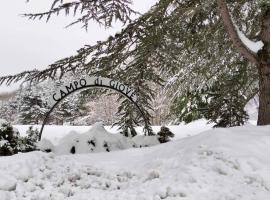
[(221, 103), (182, 44), (29, 142), (32, 108), (190, 107), (8, 139), (227, 99), (9, 109)]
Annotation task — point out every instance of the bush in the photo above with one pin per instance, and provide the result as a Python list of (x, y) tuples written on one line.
[(164, 134), (29, 143), (11, 142), (8, 139)]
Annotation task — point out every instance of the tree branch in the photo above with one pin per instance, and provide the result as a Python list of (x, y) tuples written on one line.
[(231, 30)]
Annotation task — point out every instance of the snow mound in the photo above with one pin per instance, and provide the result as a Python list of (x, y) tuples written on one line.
[(145, 141), (98, 139), (3, 121), (19, 168), (45, 145), (7, 182), (220, 164)]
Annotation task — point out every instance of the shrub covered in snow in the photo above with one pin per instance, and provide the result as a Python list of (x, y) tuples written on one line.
[(29, 143), (8, 139), (11, 142), (98, 139), (165, 134)]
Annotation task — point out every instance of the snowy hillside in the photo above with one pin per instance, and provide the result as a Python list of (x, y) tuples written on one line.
[(219, 164)]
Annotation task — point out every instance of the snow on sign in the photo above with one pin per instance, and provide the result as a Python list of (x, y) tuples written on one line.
[(90, 82), (87, 82)]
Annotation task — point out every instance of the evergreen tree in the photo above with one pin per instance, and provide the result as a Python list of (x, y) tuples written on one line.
[(8, 139), (222, 102), (190, 107), (66, 111), (9, 109), (189, 43), (230, 113), (29, 142), (32, 108), (226, 104)]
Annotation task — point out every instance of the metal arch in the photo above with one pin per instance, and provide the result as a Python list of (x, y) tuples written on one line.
[(91, 86)]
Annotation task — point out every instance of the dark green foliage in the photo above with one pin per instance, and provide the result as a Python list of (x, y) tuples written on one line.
[(226, 105), (227, 111), (222, 102), (180, 44), (32, 108), (11, 142), (8, 139), (104, 12), (228, 97), (29, 142), (67, 111), (130, 117), (190, 106), (164, 134)]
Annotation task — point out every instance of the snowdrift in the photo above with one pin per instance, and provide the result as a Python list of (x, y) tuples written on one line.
[(219, 164), (96, 139), (55, 133)]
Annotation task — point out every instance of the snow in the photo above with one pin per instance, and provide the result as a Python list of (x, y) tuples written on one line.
[(97, 139), (252, 110), (218, 164), (55, 133), (45, 145), (3, 143), (145, 141), (7, 182), (253, 46), (3, 121)]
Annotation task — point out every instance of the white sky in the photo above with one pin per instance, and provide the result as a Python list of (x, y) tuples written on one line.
[(27, 44)]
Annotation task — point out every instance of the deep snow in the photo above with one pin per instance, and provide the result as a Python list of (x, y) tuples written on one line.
[(218, 164), (55, 133), (97, 139)]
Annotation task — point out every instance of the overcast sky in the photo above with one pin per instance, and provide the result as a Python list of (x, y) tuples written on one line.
[(27, 44)]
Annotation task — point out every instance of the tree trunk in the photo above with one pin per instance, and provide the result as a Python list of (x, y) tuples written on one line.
[(264, 72), (264, 95)]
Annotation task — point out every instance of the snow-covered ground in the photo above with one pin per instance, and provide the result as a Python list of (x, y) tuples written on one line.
[(218, 164), (56, 133), (97, 139)]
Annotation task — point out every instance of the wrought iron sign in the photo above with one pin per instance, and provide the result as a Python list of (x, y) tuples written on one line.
[(91, 82)]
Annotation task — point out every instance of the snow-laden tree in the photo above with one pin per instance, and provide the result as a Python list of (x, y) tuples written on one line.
[(8, 139), (222, 102), (9, 109), (32, 108), (29, 142), (185, 44)]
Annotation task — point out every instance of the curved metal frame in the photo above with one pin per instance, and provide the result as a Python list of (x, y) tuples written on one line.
[(84, 87)]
